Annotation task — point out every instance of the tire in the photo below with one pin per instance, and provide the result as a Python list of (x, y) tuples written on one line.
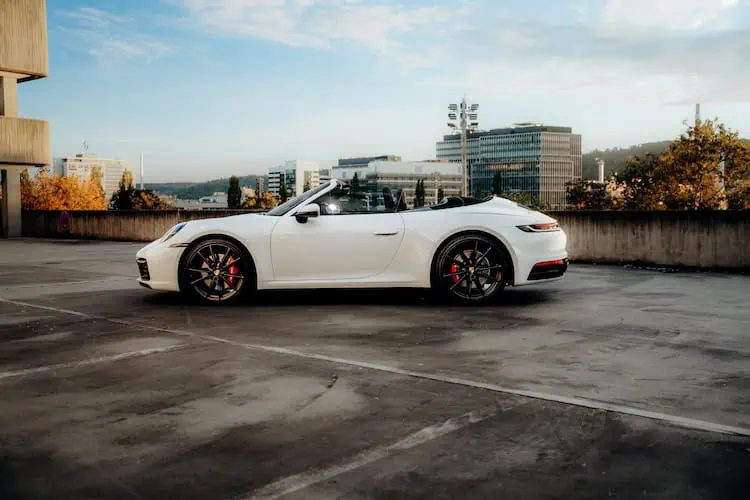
[(216, 272), (471, 269)]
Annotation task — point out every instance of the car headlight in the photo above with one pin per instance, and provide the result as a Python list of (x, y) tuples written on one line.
[(540, 228), (176, 229)]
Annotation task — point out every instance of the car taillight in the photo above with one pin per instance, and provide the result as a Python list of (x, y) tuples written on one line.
[(540, 228)]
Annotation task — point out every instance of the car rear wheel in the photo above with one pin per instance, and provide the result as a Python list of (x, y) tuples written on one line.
[(471, 269), (216, 271)]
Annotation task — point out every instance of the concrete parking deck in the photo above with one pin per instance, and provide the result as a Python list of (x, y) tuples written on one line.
[(612, 383)]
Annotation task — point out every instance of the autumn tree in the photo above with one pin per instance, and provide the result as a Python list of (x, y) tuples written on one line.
[(592, 195), (47, 191), (97, 178), (234, 193), (126, 181), (264, 201), (129, 198), (644, 181), (704, 167)]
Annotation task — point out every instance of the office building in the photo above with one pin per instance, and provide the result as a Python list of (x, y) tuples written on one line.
[(24, 142), (260, 184), (81, 166), (403, 175), (532, 158), (364, 161), (293, 175), (324, 175)]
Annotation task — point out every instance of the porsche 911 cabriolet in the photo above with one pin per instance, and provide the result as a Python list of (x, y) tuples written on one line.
[(332, 236)]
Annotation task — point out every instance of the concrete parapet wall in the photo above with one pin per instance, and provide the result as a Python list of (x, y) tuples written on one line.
[(709, 240), (127, 225)]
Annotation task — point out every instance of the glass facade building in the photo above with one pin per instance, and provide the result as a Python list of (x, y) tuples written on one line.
[(533, 159)]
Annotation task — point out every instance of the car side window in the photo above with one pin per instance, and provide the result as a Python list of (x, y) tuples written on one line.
[(345, 201)]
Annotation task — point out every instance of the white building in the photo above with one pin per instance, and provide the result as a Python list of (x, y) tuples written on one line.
[(218, 198), (81, 166), (403, 175), (294, 174)]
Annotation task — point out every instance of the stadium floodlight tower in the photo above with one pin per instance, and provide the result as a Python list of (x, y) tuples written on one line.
[(464, 118)]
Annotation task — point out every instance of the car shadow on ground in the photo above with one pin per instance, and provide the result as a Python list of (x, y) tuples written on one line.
[(370, 297)]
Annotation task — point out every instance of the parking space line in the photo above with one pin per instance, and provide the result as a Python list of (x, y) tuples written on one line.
[(67, 283), (685, 422), (89, 361), (313, 476)]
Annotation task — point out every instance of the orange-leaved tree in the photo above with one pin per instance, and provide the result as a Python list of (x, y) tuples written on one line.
[(47, 191)]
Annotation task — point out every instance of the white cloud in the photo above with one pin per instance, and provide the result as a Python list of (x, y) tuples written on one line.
[(92, 17), (320, 23), (660, 51), (110, 38), (667, 14)]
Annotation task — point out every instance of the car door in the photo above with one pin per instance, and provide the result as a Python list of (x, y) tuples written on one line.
[(353, 238)]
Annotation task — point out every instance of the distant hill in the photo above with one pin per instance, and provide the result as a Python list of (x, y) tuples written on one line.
[(168, 187), (195, 190), (616, 158)]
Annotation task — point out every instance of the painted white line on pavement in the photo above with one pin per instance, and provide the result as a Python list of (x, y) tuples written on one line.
[(45, 308), (67, 283), (688, 423), (311, 477), (90, 361)]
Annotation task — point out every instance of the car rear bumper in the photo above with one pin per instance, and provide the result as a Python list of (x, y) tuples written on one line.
[(548, 270), (541, 257)]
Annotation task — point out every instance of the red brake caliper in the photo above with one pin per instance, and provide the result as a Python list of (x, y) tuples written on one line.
[(454, 269), (232, 270)]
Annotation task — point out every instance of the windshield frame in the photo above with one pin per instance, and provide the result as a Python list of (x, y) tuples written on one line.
[(290, 205)]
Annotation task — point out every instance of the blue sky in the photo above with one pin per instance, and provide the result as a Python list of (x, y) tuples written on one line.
[(209, 88)]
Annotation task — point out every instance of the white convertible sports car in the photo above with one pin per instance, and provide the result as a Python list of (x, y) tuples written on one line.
[(332, 237)]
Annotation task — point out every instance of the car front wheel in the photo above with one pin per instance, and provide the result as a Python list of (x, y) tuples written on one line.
[(470, 269), (216, 271)]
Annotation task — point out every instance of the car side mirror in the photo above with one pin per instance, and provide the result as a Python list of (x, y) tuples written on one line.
[(308, 211)]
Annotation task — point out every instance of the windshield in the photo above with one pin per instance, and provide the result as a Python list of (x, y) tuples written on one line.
[(294, 202)]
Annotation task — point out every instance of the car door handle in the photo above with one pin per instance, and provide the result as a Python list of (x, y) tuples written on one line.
[(386, 233)]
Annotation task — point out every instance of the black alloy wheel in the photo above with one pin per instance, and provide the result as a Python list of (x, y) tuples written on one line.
[(216, 272), (471, 269)]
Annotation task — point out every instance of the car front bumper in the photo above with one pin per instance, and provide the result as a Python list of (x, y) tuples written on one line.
[(158, 266)]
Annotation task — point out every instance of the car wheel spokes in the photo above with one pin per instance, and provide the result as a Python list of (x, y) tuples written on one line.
[(213, 272), (473, 270)]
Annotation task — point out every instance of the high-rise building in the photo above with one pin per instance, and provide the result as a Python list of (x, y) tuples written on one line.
[(81, 166), (403, 176), (531, 158)]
